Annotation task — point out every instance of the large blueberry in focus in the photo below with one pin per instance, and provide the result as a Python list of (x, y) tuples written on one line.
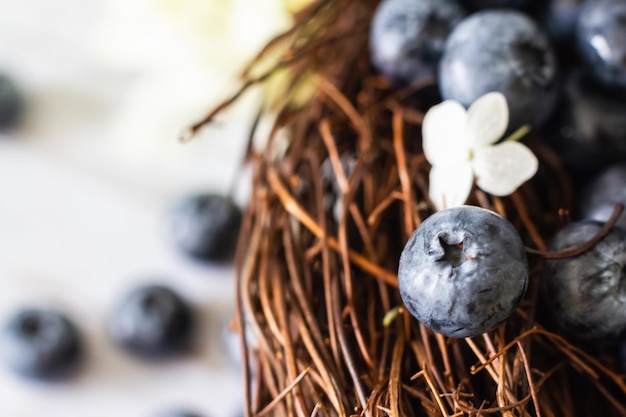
[(463, 271), (10, 103), (41, 344), (152, 322), (588, 130), (585, 295), (205, 226), (602, 193), (504, 51), (407, 37), (601, 35)]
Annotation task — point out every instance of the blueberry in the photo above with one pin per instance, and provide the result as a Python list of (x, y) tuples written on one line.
[(177, 413), (205, 226), (602, 193), (333, 195), (10, 103), (231, 339), (152, 322), (559, 19), (588, 130), (585, 295), (407, 37), (463, 271), (474, 5), (504, 51), (41, 344), (601, 36)]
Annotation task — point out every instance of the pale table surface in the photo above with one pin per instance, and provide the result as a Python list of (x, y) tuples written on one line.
[(85, 184)]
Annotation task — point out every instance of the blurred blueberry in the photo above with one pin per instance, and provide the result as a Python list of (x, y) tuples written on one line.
[(588, 130), (10, 103), (41, 344), (152, 322), (407, 37), (177, 413), (501, 50), (231, 339), (559, 18), (585, 295), (463, 271), (601, 35), (333, 194), (206, 226), (474, 5), (602, 193)]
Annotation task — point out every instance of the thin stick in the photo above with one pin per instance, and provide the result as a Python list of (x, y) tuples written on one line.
[(402, 171), (283, 394), (606, 229)]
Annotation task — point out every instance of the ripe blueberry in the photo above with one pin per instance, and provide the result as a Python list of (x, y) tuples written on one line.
[(177, 413), (504, 51), (407, 37), (463, 271), (205, 226), (601, 35), (585, 295), (603, 192), (41, 344), (474, 5), (588, 130), (332, 197), (152, 322), (559, 18), (10, 103)]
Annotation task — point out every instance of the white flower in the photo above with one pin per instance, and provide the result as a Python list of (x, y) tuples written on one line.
[(460, 146)]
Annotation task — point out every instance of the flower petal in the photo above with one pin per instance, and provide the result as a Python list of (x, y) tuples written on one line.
[(500, 169), (450, 185), (443, 132), (487, 120)]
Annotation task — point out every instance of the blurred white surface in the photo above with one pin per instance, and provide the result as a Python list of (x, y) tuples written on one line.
[(86, 180)]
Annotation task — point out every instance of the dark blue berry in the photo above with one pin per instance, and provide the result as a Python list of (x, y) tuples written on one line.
[(152, 322), (206, 226), (601, 35), (585, 295), (10, 103), (559, 19), (602, 193), (588, 130), (463, 271), (407, 37), (504, 51), (177, 413), (474, 5), (41, 344)]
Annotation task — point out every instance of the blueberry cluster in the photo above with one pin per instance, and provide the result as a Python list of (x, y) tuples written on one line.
[(151, 322), (561, 64)]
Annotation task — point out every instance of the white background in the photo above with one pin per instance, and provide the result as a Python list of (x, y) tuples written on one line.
[(86, 181)]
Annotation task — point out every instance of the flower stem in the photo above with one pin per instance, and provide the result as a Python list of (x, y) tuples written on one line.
[(518, 134)]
